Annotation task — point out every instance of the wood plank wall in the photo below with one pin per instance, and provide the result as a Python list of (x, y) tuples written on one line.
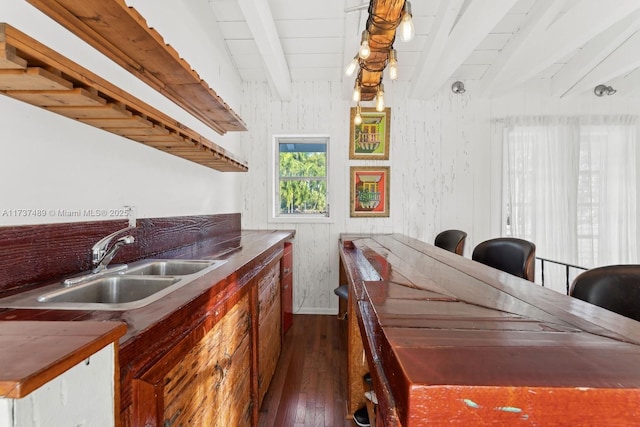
[(445, 159), (35, 253), (440, 173)]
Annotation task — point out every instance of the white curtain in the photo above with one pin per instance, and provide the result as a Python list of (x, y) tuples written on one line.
[(609, 165), (570, 187), (542, 181)]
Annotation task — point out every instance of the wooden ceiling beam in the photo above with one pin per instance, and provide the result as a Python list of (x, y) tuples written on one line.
[(476, 22), (540, 16), (436, 43), (585, 67), (621, 61), (262, 27), (586, 19)]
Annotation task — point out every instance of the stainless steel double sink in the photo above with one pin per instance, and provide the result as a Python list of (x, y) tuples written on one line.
[(135, 286)]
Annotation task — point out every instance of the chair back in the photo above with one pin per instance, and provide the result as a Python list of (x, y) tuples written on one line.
[(614, 287), (509, 254), (451, 240)]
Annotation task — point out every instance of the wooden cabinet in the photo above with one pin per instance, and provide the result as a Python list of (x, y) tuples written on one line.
[(204, 380), (269, 328), (220, 371), (218, 366), (286, 281)]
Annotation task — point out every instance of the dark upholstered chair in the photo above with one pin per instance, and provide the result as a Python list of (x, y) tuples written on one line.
[(614, 287), (509, 254), (451, 240), (343, 296)]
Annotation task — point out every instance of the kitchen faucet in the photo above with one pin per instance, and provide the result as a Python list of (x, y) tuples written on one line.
[(101, 254)]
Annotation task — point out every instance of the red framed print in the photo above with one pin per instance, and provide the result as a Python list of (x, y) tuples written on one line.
[(369, 194)]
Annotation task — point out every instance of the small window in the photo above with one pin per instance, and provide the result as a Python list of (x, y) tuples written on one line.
[(301, 177)]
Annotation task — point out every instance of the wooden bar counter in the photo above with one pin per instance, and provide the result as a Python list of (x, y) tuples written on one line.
[(450, 341)]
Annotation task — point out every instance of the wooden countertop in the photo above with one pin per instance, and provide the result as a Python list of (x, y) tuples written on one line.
[(142, 332), (449, 340), (33, 353), (241, 250)]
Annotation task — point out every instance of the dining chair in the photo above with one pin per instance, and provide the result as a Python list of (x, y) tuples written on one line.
[(451, 240), (614, 287), (509, 254)]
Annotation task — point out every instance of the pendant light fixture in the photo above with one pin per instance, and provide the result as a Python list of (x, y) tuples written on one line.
[(380, 98), (357, 120), (407, 31), (356, 92), (351, 67), (365, 49), (393, 65), (387, 19)]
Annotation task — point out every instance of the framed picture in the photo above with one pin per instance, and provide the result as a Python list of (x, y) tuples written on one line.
[(370, 139), (369, 194)]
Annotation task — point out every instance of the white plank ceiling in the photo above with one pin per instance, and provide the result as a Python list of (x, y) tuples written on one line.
[(498, 44)]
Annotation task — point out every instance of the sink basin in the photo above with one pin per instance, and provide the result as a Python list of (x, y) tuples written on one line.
[(168, 267), (142, 283), (110, 290)]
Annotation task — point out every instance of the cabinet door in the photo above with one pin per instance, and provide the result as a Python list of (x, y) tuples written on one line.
[(204, 380), (286, 279), (269, 329)]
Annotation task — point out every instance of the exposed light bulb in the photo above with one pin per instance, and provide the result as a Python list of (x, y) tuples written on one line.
[(357, 120), (380, 98), (393, 65), (365, 50), (351, 68), (356, 92), (407, 31)]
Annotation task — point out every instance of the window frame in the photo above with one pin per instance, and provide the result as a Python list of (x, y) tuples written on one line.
[(274, 195)]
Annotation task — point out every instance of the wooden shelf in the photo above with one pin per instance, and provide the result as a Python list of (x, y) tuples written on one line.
[(33, 73), (122, 34)]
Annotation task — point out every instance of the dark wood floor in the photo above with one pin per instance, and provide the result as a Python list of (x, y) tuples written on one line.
[(309, 385)]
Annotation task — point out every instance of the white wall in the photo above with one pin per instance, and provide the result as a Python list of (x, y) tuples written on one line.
[(53, 163), (440, 173), (445, 164)]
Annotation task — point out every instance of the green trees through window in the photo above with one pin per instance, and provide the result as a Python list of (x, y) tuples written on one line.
[(302, 175)]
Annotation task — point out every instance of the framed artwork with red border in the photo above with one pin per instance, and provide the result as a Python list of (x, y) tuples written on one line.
[(369, 191)]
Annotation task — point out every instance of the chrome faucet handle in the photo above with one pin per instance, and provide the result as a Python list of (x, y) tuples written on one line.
[(100, 248), (103, 256)]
